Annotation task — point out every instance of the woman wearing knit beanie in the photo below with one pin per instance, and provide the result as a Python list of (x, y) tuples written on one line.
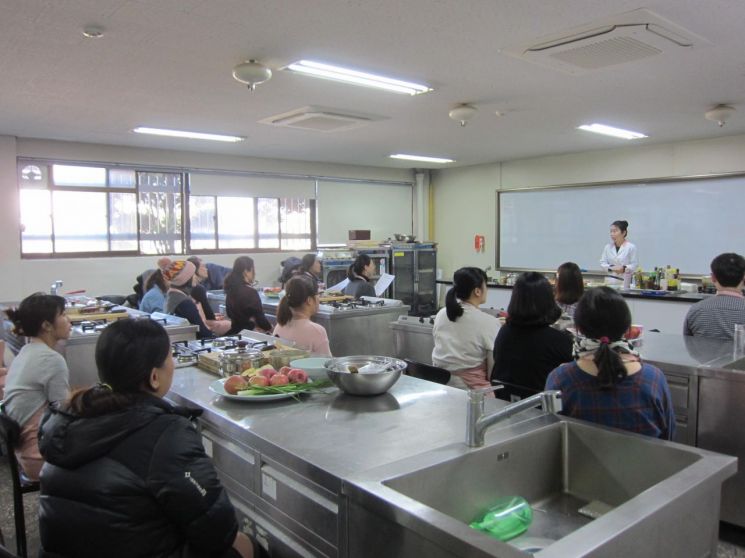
[(180, 275)]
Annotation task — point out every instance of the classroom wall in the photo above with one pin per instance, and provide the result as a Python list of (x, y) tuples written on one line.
[(116, 275), (465, 198)]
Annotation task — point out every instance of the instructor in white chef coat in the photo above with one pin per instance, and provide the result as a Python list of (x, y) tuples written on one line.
[(619, 255)]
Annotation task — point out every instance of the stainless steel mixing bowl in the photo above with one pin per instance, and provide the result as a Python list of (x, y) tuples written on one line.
[(375, 374)]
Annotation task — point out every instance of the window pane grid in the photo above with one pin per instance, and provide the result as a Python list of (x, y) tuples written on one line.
[(83, 209)]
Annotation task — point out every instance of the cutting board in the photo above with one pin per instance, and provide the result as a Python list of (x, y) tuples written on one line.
[(340, 298), (108, 316)]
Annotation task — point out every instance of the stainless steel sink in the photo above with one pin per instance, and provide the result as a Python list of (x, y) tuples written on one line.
[(654, 490), (737, 365)]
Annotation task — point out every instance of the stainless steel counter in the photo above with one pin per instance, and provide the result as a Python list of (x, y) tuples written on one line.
[(355, 331), (301, 472)]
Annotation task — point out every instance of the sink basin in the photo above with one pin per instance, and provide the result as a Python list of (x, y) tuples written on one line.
[(737, 365), (560, 467)]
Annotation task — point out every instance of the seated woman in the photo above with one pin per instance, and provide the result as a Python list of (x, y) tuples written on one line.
[(242, 302), (156, 288), (210, 275), (295, 310), (464, 335), (217, 323), (38, 375), (146, 487), (607, 383), (569, 287), (310, 267), (180, 275), (359, 274), (527, 348)]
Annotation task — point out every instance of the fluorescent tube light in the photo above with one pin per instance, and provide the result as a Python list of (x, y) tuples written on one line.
[(189, 135), (421, 158), (336, 73), (611, 131)]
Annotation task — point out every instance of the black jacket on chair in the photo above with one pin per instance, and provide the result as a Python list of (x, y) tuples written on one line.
[(132, 483)]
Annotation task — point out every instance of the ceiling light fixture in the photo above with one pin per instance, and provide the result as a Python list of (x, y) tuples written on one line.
[(252, 73), (187, 135), (421, 158), (720, 114), (611, 131), (92, 31), (463, 113), (336, 73)]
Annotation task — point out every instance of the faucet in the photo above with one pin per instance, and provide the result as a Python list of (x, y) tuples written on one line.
[(55, 286), (477, 422)]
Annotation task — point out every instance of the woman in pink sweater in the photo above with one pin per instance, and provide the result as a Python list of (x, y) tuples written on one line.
[(295, 310)]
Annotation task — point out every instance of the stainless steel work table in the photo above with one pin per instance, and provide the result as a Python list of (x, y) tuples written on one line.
[(283, 462)]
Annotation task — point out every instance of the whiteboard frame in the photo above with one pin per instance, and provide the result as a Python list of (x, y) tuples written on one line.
[(628, 182)]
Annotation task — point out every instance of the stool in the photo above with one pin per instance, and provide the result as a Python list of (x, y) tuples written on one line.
[(10, 433), (427, 372)]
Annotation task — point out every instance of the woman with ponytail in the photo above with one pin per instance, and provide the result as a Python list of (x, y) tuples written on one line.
[(359, 274), (122, 461), (38, 375), (294, 312), (607, 383), (464, 335)]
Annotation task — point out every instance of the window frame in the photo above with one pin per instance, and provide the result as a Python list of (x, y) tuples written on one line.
[(21, 162)]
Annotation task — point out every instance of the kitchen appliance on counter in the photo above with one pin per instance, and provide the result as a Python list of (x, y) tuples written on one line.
[(414, 265), (334, 265)]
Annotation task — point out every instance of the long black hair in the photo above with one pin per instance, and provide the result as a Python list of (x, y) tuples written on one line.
[(465, 280), (569, 283), (126, 353), (360, 263), (234, 279), (33, 311), (156, 278), (532, 302), (307, 262), (602, 314), (297, 291)]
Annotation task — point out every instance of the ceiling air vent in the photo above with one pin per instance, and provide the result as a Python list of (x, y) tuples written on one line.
[(624, 38), (319, 119)]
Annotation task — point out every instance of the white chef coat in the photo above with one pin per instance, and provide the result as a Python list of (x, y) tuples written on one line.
[(465, 343), (626, 255)]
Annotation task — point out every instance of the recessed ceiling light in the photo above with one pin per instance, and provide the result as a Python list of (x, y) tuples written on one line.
[(611, 131), (188, 135), (421, 158), (346, 75)]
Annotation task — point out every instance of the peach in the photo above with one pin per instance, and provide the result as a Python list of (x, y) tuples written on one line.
[(234, 384), (279, 380)]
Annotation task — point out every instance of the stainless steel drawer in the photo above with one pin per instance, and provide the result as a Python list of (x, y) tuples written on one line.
[(236, 460), (308, 504), (679, 387)]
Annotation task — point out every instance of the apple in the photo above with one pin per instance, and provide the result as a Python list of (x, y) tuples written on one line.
[(279, 380), (258, 381), (297, 376), (267, 372), (285, 370), (234, 384)]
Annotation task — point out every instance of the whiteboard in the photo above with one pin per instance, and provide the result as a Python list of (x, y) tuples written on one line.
[(683, 223), (384, 209)]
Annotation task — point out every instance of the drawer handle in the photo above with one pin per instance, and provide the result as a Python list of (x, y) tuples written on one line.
[(300, 488)]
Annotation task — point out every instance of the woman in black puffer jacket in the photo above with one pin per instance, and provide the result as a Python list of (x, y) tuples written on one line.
[(126, 474)]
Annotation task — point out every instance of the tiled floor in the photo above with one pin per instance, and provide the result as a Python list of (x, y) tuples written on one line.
[(731, 544)]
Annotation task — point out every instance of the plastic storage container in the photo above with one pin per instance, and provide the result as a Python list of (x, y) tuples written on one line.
[(506, 519)]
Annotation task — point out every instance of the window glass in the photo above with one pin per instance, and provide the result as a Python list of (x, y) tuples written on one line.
[(160, 212), (80, 222), (296, 226), (235, 222), (122, 178), (123, 221), (73, 175), (32, 175), (202, 222), (268, 215), (36, 221)]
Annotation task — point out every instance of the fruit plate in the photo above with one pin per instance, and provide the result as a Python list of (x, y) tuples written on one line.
[(218, 388)]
